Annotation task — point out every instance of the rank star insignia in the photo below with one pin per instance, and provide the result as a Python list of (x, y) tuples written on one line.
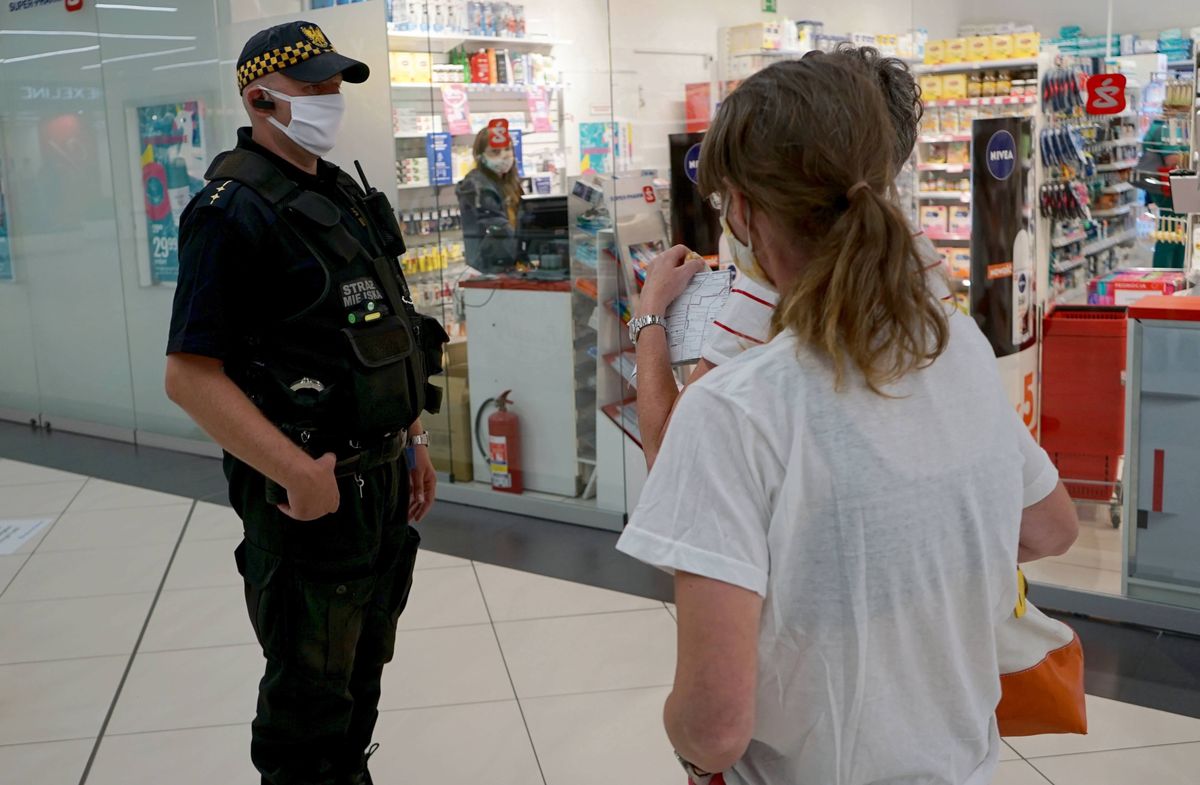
[(221, 189)]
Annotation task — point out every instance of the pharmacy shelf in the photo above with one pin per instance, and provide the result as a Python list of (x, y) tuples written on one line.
[(981, 65), (943, 138), (947, 237), (948, 168), (1070, 239), (1112, 211), (944, 196), (1004, 100), (1116, 167), (771, 53), (415, 41), (1108, 242), (527, 137), (1126, 140), (1074, 263), (1119, 188), (471, 86)]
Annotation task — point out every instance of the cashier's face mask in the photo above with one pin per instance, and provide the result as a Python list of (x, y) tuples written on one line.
[(499, 161), (744, 257), (316, 119)]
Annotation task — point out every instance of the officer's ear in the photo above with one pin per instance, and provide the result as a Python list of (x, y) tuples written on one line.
[(262, 100)]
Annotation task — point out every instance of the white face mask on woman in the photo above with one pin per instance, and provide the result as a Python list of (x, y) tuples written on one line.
[(316, 119), (743, 254), (501, 164)]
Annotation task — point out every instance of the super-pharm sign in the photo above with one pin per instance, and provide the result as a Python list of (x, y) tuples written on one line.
[(25, 5)]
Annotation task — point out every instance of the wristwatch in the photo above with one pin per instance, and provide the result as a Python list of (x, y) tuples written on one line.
[(419, 440), (695, 775), (642, 322)]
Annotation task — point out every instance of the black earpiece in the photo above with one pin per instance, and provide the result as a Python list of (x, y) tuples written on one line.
[(262, 103)]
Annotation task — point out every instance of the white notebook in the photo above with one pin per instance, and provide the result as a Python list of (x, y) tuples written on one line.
[(689, 317)]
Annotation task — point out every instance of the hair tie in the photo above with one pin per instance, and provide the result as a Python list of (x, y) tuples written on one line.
[(861, 184)]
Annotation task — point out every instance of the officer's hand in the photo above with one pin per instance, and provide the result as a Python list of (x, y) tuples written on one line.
[(317, 497), (422, 485)]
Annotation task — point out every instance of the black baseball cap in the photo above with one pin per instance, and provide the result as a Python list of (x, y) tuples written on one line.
[(299, 50)]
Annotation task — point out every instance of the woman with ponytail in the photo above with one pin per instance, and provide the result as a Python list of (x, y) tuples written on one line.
[(842, 506)]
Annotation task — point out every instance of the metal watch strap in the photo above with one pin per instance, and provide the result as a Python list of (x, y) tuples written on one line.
[(642, 322), (419, 440)]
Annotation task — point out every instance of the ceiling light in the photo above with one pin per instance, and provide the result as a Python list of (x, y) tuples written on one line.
[(39, 55), (122, 7), (183, 65), (108, 60), (89, 34)]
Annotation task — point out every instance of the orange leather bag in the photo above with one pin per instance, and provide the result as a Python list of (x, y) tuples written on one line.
[(1041, 673)]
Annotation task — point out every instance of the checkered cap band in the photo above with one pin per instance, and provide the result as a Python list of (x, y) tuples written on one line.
[(277, 60)]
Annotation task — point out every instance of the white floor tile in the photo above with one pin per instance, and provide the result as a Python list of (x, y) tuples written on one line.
[(9, 565), (513, 595), (1177, 764), (1111, 726), (65, 574), (1056, 573), (432, 560), (18, 473), (444, 598), (195, 618), (105, 495), (1018, 772), (78, 531), (577, 737), (35, 501), (204, 564), (50, 763), (69, 629), (201, 756), (213, 522), (57, 700), (445, 666), (478, 743), (189, 689), (608, 651), (671, 610), (1008, 753)]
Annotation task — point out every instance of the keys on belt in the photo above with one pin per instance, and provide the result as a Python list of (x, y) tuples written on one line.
[(354, 464)]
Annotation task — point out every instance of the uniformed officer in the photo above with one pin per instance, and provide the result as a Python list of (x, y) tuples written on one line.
[(295, 346)]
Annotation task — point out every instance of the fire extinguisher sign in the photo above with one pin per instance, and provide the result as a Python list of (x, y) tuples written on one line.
[(498, 455)]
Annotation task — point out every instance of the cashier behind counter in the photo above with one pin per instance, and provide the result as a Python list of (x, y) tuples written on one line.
[(504, 230)]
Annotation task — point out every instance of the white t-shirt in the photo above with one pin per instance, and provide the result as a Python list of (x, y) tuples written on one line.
[(745, 319), (882, 534)]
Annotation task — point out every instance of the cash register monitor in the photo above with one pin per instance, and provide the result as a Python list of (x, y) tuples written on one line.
[(544, 235)]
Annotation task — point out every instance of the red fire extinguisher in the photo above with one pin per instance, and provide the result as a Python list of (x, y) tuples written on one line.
[(503, 451)]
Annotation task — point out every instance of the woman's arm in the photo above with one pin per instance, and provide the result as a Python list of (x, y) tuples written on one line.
[(667, 277)]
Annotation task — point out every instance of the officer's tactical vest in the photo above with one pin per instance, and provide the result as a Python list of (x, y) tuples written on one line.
[(356, 362)]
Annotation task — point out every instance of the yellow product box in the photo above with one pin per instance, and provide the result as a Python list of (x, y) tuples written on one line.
[(934, 218), (956, 50), (935, 52), (960, 263), (422, 67), (1026, 44), (979, 48), (954, 86), (931, 87), (931, 121), (958, 153), (960, 218), (401, 66), (951, 120), (1002, 47)]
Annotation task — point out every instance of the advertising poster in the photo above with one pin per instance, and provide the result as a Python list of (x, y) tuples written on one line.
[(439, 152), (518, 151), (698, 104), (595, 147), (172, 158), (6, 267), (539, 108), (457, 109)]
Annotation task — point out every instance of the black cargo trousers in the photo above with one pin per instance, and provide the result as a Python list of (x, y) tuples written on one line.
[(324, 597)]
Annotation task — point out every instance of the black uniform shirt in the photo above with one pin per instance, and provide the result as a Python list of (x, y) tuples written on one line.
[(240, 267)]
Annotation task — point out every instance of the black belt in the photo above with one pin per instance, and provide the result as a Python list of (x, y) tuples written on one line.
[(354, 456)]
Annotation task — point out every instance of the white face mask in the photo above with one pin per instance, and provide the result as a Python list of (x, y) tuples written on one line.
[(500, 164), (743, 254), (316, 119)]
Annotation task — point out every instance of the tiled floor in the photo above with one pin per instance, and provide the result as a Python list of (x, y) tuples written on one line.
[(1094, 561), (126, 659)]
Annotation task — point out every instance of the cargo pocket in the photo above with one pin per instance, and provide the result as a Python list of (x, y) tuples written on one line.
[(266, 600), (328, 618), (396, 599)]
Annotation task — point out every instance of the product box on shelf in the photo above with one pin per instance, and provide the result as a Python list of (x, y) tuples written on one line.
[(935, 52), (931, 87), (979, 49), (1122, 287), (1002, 47), (931, 120), (954, 86), (422, 67), (957, 152), (960, 262), (956, 50), (934, 218), (960, 218), (1026, 44), (951, 120), (401, 66)]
